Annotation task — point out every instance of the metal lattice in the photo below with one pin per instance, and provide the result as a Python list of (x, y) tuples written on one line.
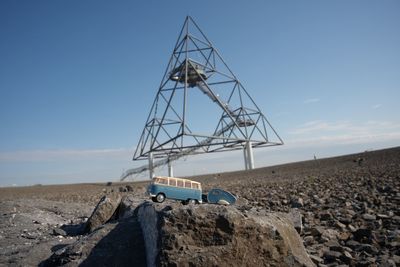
[(196, 73)]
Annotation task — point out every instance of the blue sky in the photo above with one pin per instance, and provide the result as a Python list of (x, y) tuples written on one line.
[(77, 79)]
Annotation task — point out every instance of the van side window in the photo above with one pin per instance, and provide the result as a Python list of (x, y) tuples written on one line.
[(172, 182), (163, 181), (188, 185), (195, 186), (180, 183)]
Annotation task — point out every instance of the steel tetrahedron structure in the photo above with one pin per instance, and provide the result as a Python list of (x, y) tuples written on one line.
[(200, 107)]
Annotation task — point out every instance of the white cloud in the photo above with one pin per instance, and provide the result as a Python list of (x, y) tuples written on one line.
[(78, 165), (320, 126), (65, 154), (327, 140), (343, 132), (311, 100)]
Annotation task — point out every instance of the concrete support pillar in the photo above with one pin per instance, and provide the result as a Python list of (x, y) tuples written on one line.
[(250, 157), (151, 168), (170, 169), (246, 166)]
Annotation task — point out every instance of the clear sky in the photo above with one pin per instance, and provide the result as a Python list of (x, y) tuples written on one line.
[(77, 79)]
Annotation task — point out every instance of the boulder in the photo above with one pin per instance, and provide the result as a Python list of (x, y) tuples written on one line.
[(127, 207), (102, 213), (213, 235)]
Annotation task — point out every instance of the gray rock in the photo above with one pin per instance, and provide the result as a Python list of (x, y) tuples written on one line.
[(206, 235), (129, 188), (317, 231), (308, 240), (369, 217), (325, 216), (383, 216), (344, 236), (334, 246), (351, 228), (388, 263), (316, 259), (329, 234), (331, 255), (297, 203), (394, 244), (340, 225), (121, 189), (362, 234), (127, 207), (367, 248), (345, 220), (102, 213), (58, 231), (295, 216), (346, 257), (396, 259), (352, 244), (396, 219)]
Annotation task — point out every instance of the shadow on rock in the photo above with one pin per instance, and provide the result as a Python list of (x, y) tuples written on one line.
[(114, 237), (115, 244), (73, 229), (58, 247)]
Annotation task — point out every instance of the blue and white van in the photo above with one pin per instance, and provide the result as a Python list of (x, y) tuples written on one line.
[(187, 191)]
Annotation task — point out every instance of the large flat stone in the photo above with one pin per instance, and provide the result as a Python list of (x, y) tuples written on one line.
[(212, 235)]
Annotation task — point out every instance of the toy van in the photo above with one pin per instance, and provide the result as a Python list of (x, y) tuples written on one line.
[(185, 190)]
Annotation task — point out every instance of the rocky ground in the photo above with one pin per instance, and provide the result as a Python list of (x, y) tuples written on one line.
[(37, 221), (349, 206)]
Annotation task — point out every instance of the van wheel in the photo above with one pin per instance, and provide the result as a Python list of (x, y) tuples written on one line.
[(160, 198), (192, 201)]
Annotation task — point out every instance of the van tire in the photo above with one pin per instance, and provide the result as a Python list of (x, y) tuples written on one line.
[(160, 197), (192, 202), (154, 199)]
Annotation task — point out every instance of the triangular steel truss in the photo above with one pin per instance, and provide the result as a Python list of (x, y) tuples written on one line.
[(196, 74)]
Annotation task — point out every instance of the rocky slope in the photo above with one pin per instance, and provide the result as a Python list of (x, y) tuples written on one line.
[(348, 210)]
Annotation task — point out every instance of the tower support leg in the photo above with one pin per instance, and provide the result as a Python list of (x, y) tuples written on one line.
[(170, 169), (246, 165), (151, 168), (250, 156)]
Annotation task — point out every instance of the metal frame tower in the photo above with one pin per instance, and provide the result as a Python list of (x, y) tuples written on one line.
[(195, 76)]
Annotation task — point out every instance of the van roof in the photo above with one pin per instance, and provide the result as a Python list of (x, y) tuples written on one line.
[(183, 179)]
